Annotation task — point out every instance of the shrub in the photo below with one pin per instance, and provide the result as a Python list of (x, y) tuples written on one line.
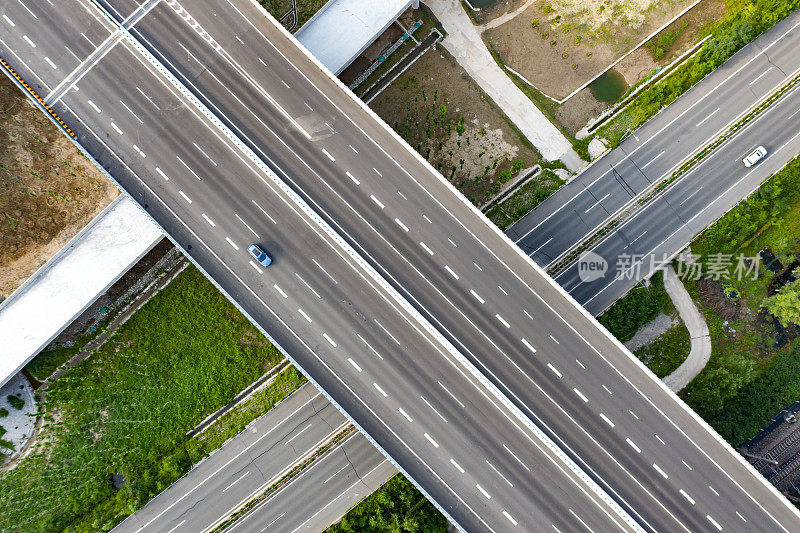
[(16, 402), (637, 308), (3, 412)]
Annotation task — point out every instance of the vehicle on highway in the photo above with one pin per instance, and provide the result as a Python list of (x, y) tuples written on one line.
[(755, 156), (260, 255)]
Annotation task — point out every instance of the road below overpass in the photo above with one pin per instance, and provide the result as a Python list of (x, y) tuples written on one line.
[(655, 150), (201, 173)]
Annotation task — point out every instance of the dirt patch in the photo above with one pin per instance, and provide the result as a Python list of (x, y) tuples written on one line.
[(48, 190), (437, 108), (560, 45)]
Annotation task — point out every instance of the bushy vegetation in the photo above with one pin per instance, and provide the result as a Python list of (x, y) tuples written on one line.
[(127, 408), (665, 354), (3, 412), (637, 308), (16, 402), (396, 507), (745, 21), (524, 199)]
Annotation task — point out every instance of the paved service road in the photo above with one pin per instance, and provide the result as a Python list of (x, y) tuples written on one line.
[(244, 467), (341, 320), (655, 150)]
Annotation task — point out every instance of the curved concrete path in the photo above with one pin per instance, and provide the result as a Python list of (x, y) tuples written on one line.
[(698, 332)]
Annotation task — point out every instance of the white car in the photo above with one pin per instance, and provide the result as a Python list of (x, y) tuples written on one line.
[(755, 156)]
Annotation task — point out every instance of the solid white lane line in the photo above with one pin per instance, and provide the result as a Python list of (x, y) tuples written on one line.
[(73, 53), (148, 98), (633, 414), (377, 172), (352, 178), (116, 128), (475, 294), (324, 151), (578, 518), (325, 271), (265, 213), (502, 321), (298, 434), (716, 524), (429, 220), (580, 364), (387, 332), (280, 291), (686, 464), (685, 495), (660, 471), (740, 516), (517, 458), (455, 464), (476, 266), (530, 347), (237, 481), (369, 346), (285, 84), (90, 41), (50, 62), (231, 243), (309, 107), (405, 414), (335, 473), (656, 157), (258, 269), (510, 519), (712, 490), (498, 473), (400, 223), (542, 246), (597, 203), (607, 389), (9, 21), (451, 242), (761, 76), (353, 149), (131, 112), (430, 439), (434, 410), (308, 286), (451, 394), (425, 247), (377, 201), (355, 365), (452, 273), (502, 290), (554, 340), (247, 226), (28, 9), (184, 196), (28, 40), (608, 420), (305, 315), (659, 439), (205, 154), (633, 445), (188, 168), (707, 117), (486, 494), (327, 338), (379, 389), (176, 527), (209, 220), (556, 372), (581, 396)]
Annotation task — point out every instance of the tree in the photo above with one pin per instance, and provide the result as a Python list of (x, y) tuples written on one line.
[(785, 305)]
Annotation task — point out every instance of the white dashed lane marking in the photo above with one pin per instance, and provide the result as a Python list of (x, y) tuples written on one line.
[(209, 220), (455, 464), (280, 291), (184, 196), (405, 414), (233, 244), (327, 338), (425, 247), (355, 365), (379, 389), (430, 439)]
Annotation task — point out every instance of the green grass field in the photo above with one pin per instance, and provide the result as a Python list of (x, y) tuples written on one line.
[(127, 409)]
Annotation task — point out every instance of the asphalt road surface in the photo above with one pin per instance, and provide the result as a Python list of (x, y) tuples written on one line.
[(201, 173), (654, 151)]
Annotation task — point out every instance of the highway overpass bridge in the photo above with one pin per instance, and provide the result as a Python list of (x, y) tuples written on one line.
[(483, 381)]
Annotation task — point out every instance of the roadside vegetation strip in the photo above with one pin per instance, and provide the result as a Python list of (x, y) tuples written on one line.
[(746, 20), (659, 187), (332, 444)]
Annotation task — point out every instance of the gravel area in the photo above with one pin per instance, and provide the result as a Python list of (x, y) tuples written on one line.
[(651, 331), (19, 422)]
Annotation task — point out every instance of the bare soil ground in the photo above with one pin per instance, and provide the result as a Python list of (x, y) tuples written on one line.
[(562, 44), (437, 108), (48, 190)]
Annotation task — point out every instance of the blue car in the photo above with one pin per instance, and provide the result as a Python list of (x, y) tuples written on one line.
[(260, 255)]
